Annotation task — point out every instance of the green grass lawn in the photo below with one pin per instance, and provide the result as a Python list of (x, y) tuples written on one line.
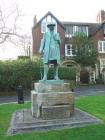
[(92, 104)]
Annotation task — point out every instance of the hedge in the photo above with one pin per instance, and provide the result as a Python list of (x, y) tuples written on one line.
[(14, 73)]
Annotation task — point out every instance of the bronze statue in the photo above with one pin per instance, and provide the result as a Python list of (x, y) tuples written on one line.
[(50, 49)]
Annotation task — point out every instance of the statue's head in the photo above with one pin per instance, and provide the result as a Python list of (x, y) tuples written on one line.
[(51, 26)]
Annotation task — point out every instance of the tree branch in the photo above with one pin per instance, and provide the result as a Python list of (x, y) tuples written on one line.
[(6, 30)]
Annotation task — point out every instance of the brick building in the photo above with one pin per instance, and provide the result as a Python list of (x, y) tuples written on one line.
[(67, 31)]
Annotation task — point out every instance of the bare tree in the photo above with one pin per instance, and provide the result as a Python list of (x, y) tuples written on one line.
[(24, 43), (12, 31), (9, 23)]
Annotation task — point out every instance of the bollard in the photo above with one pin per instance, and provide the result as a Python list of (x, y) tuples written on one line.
[(72, 90), (20, 95)]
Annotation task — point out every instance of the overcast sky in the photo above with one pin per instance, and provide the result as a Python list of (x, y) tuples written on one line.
[(64, 10)]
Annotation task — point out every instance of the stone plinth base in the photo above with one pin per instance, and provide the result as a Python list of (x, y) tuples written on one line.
[(53, 112), (51, 87), (52, 101), (58, 103)]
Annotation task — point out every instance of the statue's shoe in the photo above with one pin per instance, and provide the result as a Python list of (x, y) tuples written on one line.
[(56, 78), (44, 78)]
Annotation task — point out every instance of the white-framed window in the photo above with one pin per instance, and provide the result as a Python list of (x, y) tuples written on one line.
[(69, 50), (101, 46), (44, 23), (48, 18), (75, 29), (71, 30), (80, 29), (43, 27), (102, 64), (87, 30), (67, 34)]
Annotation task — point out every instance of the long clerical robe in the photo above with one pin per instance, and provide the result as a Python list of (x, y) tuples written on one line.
[(50, 47)]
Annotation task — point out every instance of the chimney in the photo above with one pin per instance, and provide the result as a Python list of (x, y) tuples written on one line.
[(101, 16), (35, 20)]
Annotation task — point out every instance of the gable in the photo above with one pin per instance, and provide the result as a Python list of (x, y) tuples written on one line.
[(49, 17)]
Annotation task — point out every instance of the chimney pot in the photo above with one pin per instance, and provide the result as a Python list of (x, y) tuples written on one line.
[(35, 20)]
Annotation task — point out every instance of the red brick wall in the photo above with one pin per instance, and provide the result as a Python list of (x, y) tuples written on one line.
[(99, 36), (62, 35)]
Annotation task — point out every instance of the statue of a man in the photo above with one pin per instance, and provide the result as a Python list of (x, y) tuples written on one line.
[(50, 49)]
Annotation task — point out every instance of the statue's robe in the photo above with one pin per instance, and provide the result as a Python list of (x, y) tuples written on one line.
[(50, 47)]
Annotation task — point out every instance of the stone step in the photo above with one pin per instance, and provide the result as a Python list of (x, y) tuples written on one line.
[(49, 126), (52, 124), (22, 121)]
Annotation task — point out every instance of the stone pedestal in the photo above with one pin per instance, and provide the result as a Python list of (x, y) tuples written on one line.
[(52, 100)]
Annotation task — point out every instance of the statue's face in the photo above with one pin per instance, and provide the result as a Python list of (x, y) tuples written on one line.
[(51, 28)]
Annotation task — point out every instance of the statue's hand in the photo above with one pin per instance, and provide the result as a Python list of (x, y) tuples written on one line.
[(56, 36)]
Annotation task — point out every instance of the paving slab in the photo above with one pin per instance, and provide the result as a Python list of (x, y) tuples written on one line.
[(22, 122)]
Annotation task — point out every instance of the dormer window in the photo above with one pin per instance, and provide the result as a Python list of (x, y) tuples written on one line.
[(71, 30)]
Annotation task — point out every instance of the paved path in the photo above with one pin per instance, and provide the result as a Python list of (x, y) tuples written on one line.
[(79, 91), (89, 90)]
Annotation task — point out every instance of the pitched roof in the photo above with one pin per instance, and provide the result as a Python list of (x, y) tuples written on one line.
[(93, 27), (49, 13)]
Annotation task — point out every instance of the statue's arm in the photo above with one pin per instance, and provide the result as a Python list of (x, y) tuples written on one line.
[(42, 44)]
